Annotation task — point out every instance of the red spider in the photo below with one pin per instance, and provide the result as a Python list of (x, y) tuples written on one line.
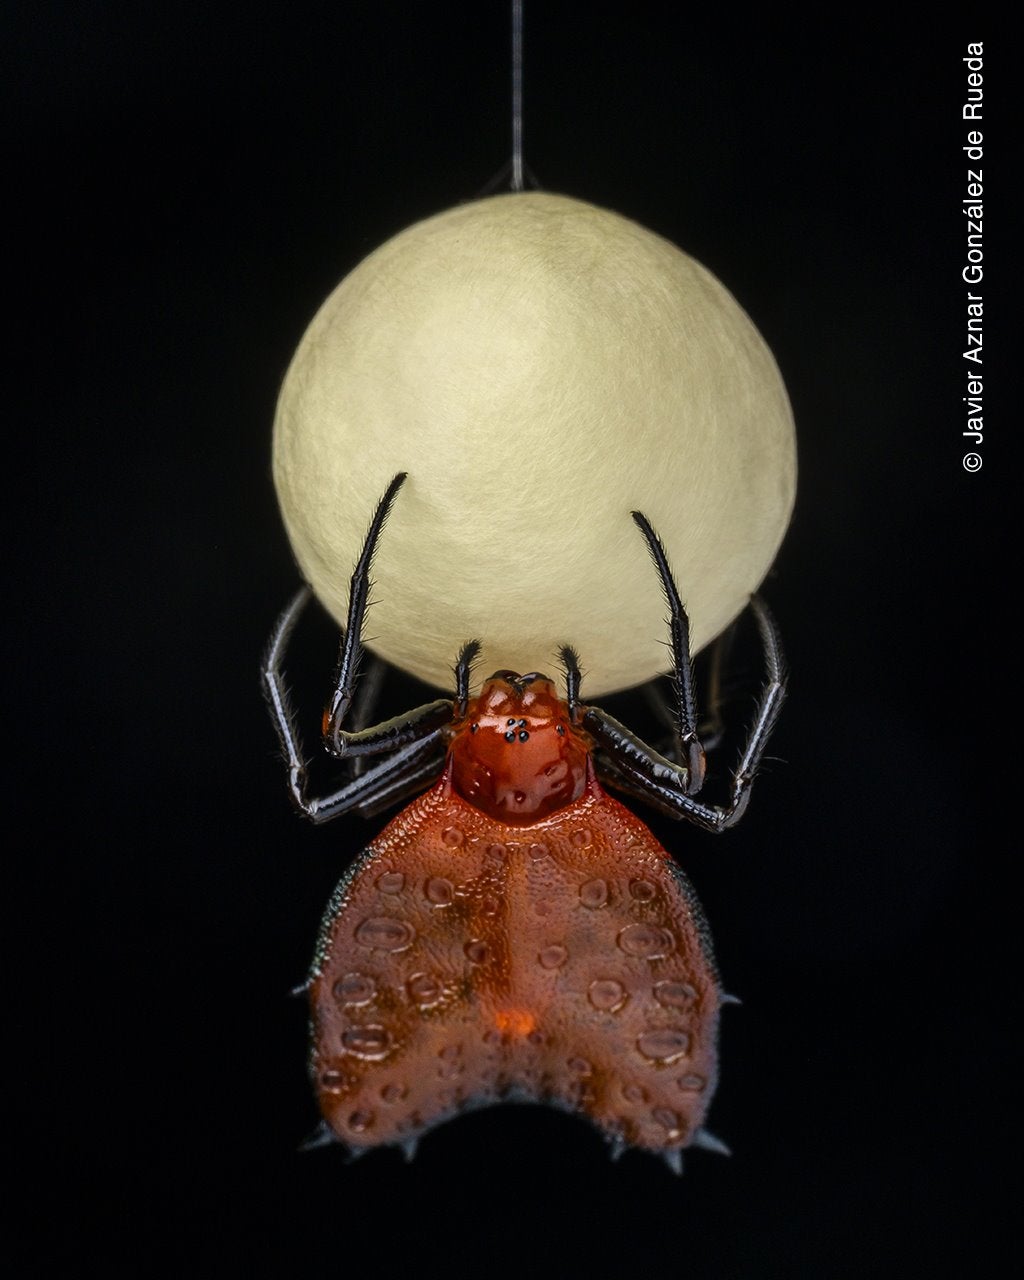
[(515, 933)]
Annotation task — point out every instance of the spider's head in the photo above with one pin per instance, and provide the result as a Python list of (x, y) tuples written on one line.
[(516, 755)]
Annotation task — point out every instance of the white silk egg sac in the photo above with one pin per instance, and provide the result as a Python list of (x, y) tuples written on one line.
[(540, 368)]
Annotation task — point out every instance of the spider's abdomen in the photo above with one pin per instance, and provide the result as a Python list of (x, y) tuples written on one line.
[(464, 961)]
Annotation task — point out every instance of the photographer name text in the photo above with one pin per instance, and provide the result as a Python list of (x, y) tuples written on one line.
[(973, 272)]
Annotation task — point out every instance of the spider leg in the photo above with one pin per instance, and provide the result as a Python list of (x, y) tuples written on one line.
[(612, 775), (463, 671), (412, 778), (643, 772), (689, 751), (388, 735), (710, 729), (412, 741), (570, 661), (366, 697), (394, 787), (409, 739), (384, 783)]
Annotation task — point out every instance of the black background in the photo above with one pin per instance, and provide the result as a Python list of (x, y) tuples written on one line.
[(189, 185)]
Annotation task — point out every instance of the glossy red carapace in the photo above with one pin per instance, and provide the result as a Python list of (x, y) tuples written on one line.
[(514, 756), (515, 934)]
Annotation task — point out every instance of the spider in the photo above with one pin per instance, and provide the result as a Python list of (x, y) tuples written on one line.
[(515, 933)]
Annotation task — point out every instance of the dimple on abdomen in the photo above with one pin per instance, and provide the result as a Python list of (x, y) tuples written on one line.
[(563, 966)]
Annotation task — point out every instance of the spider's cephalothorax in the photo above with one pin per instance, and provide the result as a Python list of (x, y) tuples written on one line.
[(515, 933), (516, 755)]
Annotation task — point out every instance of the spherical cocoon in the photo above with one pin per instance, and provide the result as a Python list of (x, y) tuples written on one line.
[(540, 368)]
